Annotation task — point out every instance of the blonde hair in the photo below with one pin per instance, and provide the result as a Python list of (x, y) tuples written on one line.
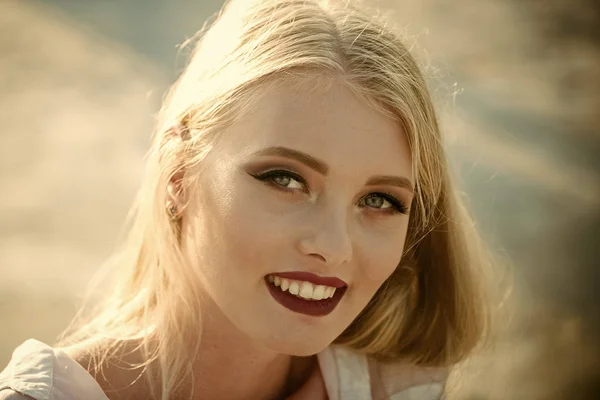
[(430, 311)]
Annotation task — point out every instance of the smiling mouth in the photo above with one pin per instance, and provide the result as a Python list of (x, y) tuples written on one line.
[(304, 297)]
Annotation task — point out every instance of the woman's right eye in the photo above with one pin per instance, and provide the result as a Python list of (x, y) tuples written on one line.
[(283, 179)]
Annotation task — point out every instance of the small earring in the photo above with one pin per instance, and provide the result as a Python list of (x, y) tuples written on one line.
[(172, 211)]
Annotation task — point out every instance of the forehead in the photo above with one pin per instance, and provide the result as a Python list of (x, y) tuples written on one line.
[(331, 124)]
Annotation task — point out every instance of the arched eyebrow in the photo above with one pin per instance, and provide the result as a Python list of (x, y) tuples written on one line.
[(306, 159), (399, 181), (322, 168)]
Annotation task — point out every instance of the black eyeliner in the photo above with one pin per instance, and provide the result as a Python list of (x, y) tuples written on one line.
[(398, 205), (279, 172), (267, 177)]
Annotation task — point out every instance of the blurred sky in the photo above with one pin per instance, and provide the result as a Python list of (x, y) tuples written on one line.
[(518, 88)]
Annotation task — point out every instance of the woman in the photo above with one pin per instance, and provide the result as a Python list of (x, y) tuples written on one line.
[(297, 234)]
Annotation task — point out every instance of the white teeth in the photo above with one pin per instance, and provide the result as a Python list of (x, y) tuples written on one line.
[(306, 290), (303, 289), (329, 292), (294, 288), (318, 292)]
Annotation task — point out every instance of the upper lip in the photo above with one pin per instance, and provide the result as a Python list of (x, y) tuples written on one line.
[(312, 278)]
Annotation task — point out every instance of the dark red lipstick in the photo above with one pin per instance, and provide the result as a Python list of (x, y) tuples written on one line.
[(315, 308)]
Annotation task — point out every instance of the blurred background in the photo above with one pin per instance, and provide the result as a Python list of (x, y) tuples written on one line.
[(518, 86)]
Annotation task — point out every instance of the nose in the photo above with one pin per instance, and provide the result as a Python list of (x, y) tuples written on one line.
[(328, 239)]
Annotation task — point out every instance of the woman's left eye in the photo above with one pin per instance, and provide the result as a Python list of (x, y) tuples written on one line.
[(385, 202)]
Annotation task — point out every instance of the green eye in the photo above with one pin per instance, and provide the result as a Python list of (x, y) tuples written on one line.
[(377, 202), (283, 179), (386, 202)]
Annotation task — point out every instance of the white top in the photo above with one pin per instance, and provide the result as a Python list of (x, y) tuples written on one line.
[(43, 373)]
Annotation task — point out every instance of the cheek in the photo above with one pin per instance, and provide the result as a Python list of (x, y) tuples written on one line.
[(382, 254), (236, 231)]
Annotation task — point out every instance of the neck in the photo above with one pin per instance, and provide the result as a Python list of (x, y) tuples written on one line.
[(230, 365)]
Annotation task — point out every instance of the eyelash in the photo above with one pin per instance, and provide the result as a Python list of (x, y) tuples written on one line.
[(397, 205), (268, 177)]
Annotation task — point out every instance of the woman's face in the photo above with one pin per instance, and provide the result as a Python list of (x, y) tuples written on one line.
[(307, 185)]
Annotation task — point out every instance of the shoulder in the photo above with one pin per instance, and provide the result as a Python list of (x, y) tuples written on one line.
[(9, 394), (118, 371), (397, 378), (346, 371), (38, 371), (29, 372)]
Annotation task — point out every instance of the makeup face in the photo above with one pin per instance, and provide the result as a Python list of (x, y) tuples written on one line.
[(310, 186)]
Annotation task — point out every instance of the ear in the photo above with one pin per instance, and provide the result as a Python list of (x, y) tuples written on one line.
[(175, 190), (175, 195)]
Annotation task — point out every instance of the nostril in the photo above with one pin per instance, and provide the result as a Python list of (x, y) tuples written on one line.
[(319, 256)]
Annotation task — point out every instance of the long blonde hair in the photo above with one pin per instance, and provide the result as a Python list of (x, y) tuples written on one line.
[(432, 309)]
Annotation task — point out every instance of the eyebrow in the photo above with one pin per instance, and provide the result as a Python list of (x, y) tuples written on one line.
[(322, 168), (299, 156), (401, 182)]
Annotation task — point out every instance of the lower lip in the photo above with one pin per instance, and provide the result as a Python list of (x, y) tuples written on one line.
[(315, 308)]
